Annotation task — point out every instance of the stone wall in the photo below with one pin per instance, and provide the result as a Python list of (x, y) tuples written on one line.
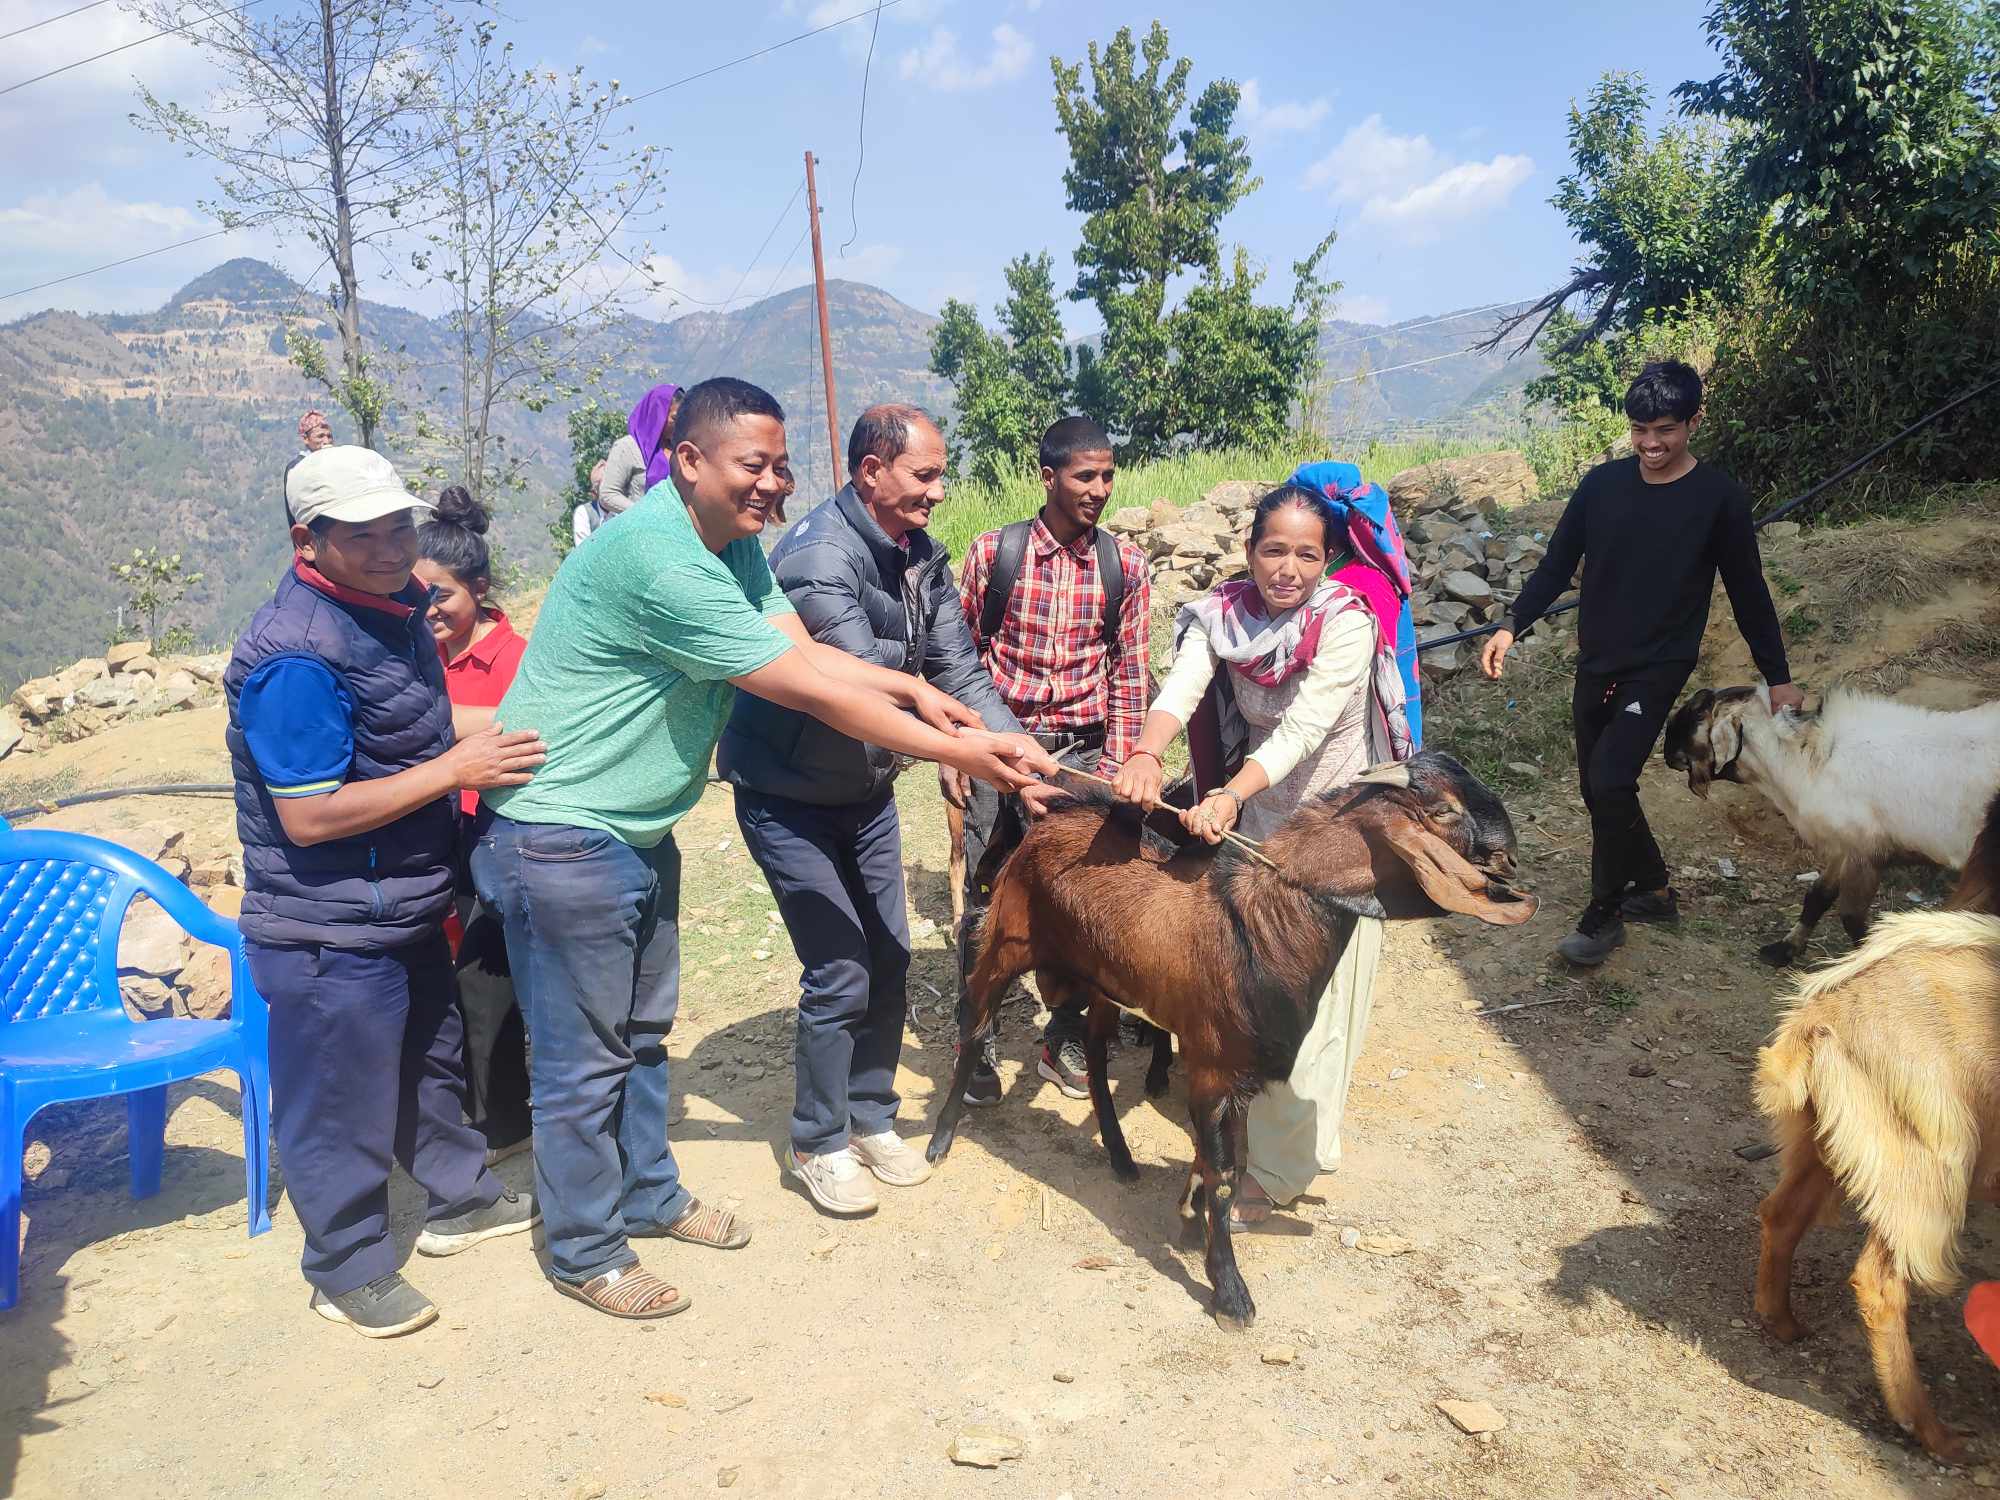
[(95, 692), (1469, 554)]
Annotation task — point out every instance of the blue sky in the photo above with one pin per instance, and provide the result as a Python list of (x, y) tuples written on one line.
[(1430, 134)]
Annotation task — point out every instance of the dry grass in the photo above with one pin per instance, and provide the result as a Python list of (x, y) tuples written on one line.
[(1878, 562), (1960, 650)]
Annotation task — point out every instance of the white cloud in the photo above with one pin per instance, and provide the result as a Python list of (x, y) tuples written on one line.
[(854, 36), (685, 289), (1288, 117), (87, 219), (939, 64), (1409, 187)]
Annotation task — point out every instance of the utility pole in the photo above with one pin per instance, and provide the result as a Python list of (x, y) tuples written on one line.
[(825, 332)]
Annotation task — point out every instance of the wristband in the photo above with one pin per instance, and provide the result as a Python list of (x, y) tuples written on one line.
[(1150, 756), (1234, 796)]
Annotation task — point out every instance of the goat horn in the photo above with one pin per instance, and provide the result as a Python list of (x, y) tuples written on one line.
[(1390, 773)]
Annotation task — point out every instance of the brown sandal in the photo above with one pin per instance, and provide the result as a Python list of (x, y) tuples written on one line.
[(705, 1224), (629, 1292)]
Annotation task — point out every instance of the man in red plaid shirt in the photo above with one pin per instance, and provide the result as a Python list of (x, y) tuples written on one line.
[(1060, 676)]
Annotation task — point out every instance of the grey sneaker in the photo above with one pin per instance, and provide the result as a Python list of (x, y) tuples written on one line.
[(1598, 935), (834, 1180), (1662, 906), (383, 1309), (1067, 1068), (510, 1213), (890, 1158)]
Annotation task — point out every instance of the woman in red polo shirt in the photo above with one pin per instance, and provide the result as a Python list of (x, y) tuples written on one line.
[(481, 653)]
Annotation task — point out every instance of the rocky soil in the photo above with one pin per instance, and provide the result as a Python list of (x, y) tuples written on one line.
[(1529, 1279)]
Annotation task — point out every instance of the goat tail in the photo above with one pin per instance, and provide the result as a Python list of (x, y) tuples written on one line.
[(1898, 1137)]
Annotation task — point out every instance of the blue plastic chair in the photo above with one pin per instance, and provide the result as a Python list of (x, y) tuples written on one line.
[(64, 1034)]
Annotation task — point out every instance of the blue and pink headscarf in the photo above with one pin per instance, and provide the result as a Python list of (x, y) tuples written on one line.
[(648, 426), (1380, 572)]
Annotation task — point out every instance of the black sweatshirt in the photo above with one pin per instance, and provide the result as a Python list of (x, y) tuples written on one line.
[(1650, 555)]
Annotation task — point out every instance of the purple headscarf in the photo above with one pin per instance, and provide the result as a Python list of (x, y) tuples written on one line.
[(648, 426)]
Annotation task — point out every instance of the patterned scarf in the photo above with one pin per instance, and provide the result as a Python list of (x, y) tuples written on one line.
[(1270, 649)]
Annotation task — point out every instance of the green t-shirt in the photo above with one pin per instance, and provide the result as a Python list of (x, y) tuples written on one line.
[(626, 672)]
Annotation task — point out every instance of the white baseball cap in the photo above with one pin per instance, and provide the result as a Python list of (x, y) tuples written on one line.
[(346, 483)]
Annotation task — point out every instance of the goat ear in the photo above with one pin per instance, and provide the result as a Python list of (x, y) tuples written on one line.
[(1389, 773), (1454, 884)]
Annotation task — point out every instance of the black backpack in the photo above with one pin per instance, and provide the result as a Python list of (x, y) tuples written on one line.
[(1007, 568)]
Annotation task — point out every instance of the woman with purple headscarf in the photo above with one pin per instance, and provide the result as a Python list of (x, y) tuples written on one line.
[(642, 458)]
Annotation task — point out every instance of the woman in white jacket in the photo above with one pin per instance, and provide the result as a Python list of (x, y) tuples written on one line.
[(1312, 688)]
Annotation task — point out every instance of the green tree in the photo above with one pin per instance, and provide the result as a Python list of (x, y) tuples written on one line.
[(1663, 219), (1867, 130), (1154, 177), (1153, 191), (1008, 388), (154, 582), (592, 431)]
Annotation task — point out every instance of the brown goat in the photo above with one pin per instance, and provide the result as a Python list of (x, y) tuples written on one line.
[(1883, 1082), (1228, 955)]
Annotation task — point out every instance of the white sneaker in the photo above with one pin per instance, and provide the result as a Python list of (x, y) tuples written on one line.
[(834, 1180), (890, 1158)]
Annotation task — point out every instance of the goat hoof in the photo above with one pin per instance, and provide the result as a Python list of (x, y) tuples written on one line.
[(1125, 1171), (1155, 1086), (938, 1149), (1235, 1322), (1785, 1328), (1943, 1443), (1777, 955)]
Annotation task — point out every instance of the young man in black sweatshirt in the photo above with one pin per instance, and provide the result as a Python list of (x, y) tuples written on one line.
[(1651, 531)]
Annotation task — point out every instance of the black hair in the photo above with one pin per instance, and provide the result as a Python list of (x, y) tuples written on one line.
[(718, 402), (1069, 437), (1304, 499), (455, 537), (884, 431), (1666, 389)]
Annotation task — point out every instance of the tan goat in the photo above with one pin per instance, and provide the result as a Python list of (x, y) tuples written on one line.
[(1883, 1082)]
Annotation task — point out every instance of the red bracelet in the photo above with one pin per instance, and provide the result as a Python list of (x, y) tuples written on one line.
[(1156, 759)]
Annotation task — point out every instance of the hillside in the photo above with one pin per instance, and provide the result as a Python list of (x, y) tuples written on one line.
[(174, 426), (1464, 394)]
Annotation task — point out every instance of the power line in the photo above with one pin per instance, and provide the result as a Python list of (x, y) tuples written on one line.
[(1430, 322), (50, 20), (709, 332), (1410, 365), (113, 265), (128, 46), (760, 52), (861, 137)]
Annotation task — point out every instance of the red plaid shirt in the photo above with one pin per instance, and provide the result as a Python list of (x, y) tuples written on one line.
[(1048, 658)]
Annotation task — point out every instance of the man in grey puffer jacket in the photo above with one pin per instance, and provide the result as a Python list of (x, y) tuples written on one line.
[(818, 809)]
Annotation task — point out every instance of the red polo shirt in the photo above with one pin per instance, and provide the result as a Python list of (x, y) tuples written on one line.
[(482, 674)]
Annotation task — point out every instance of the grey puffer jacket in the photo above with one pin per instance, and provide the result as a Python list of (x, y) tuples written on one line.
[(895, 607)]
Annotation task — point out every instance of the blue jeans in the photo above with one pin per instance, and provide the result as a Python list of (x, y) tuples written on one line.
[(837, 876), (593, 938), (366, 1069)]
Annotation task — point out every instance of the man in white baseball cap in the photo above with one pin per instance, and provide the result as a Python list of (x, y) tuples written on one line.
[(347, 773)]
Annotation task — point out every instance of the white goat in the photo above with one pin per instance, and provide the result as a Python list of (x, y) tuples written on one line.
[(1865, 782)]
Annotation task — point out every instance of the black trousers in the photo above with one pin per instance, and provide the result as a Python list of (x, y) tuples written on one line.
[(1618, 721), (496, 1037)]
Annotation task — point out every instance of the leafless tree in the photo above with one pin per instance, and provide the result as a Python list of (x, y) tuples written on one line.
[(536, 181), (321, 129)]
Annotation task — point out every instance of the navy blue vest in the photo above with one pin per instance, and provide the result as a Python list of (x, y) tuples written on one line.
[(374, 890)]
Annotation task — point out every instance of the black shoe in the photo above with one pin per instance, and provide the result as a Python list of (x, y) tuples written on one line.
[(1662, 906), (382, 1309), (984, 1086), (1599, 933), (510, 1213), (1066, 1067)]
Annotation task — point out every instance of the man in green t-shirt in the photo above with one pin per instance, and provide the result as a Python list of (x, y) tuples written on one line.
[(629, 677)]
